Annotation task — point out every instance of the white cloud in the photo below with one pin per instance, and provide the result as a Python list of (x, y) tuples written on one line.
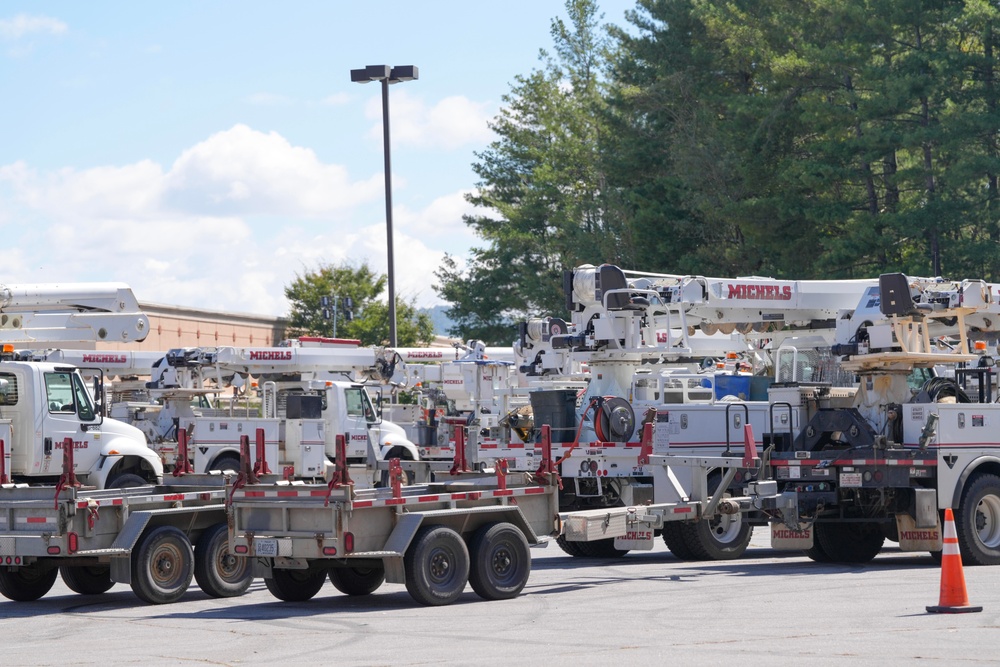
[(242, 171), (23, 24), (225, 227), (451, 123)]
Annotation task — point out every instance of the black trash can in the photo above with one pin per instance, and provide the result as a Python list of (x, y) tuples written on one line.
[(557, 408)]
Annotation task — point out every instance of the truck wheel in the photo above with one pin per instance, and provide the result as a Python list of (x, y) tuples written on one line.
[(28, 582), (357, 580), (500, 561), (162, 565), (88, 579), (977, 521), (816, 552), (218, 572), (126, 480), (226, 463), (572, 548), (436, 566), (676, 540), (295, 585), (850, 542)]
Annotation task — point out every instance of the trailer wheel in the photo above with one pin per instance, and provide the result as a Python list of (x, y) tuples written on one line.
[(850, 542), (500, 561), (436, 566), (357, 580), (87, 580), (571, 548), (295, 585), (162, 565), (28, 582), (675, 538), (218, 572), (723, 537), (977, 521)]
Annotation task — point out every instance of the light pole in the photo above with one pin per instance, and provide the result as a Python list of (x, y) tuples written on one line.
[(387, 75)]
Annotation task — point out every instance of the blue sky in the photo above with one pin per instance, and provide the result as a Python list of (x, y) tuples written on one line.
[(206, 152)]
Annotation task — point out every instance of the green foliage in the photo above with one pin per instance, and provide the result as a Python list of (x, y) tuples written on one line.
[(371, 316), (796, 138)]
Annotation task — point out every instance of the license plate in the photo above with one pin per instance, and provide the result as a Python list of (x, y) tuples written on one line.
[(266, 547), (850, 479)]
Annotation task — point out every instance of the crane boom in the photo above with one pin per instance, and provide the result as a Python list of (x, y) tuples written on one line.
[(34, 312)]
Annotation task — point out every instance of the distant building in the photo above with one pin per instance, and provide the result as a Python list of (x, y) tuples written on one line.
[(179, 326)]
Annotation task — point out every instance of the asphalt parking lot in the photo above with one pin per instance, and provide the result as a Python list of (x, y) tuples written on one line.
[(647, 608)]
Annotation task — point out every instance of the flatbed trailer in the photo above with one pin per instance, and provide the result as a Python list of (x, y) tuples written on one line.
[(154, 538), (472, 528)]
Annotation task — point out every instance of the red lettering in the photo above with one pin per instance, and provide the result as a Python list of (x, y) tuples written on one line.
[(270, 355), (762, 292), (104, 359)]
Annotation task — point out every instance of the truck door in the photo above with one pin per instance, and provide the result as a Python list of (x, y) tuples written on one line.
[(359, 413), (67, 406)]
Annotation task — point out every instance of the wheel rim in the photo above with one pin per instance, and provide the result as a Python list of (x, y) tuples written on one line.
[(229, 567), (440, 565), (166, 570), (503, 562), (988, 521), (725, 528)]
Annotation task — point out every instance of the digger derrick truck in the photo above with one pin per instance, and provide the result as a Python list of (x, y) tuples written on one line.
[(886, 464), (310, 393), (632, 333), (44, 403)]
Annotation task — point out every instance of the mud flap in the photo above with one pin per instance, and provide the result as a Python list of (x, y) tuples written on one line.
[(784, 538)]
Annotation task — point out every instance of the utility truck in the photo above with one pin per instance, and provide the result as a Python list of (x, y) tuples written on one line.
[(42, 404)]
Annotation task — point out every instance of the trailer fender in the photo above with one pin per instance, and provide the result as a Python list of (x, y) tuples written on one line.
[(989, 464)]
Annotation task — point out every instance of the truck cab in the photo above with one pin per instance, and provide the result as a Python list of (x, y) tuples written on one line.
[(46, 403)]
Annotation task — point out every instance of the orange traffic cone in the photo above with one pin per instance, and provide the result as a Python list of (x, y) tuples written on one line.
[(954, 599)]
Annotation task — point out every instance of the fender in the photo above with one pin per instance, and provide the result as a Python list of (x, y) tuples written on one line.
[(975, 466), (393, 442), (122, 447)]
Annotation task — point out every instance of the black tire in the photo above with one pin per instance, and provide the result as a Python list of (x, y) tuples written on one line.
[(602, 549), (723, 537), (977, 521), (126, 480), (436, 566), (500, 561), (27, 583), (218, 572), (227, 462), (357, 580), (816, 552), (675, 539), (571, 548), (295, 585), (162, 565), (849, 542), (87, 579)]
